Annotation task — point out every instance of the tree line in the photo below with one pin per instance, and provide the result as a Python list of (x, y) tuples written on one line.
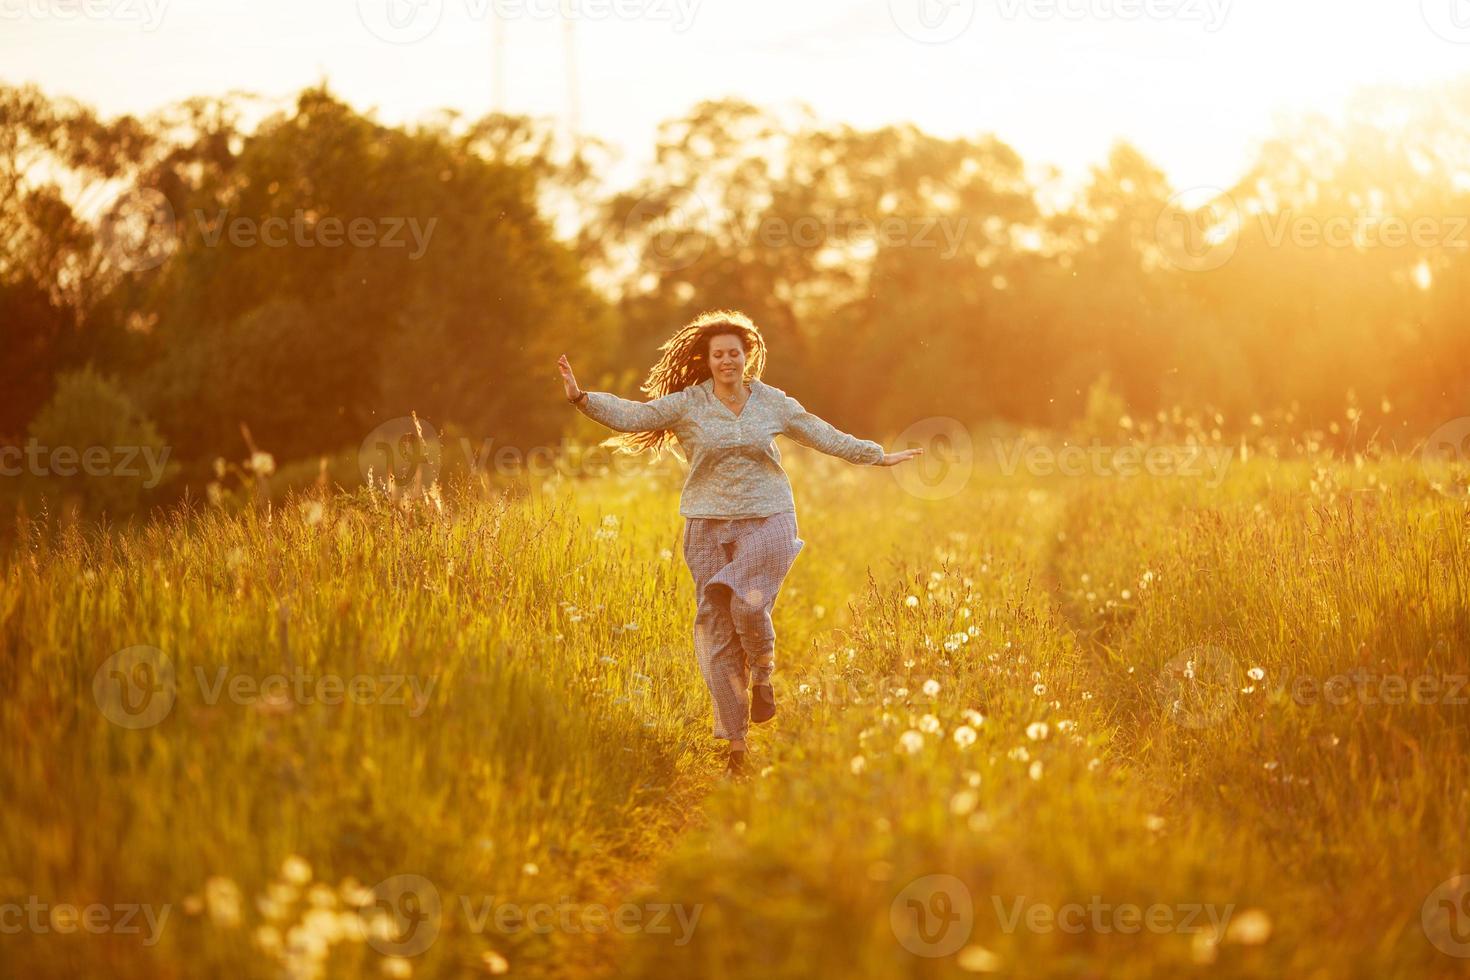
[(187, 281)]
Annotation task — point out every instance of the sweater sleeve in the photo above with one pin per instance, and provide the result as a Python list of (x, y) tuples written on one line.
[(626, 415), (821, 435)]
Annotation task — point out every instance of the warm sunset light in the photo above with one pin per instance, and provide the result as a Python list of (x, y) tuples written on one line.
[(721, 490)]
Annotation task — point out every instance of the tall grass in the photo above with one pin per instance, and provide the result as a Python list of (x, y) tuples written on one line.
[(1040, 690)]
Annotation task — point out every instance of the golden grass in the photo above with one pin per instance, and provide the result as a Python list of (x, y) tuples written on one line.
[(559, 751)]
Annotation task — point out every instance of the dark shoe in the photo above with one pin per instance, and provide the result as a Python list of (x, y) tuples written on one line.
[(735, 764), (762, 703)]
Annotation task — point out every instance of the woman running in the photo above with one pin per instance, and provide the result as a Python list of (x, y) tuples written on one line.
[(740, 534)]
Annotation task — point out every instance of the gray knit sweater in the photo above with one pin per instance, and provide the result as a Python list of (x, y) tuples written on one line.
[(734, 465)]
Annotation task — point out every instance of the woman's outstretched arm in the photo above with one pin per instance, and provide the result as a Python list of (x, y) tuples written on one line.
[(821, 435), (623, 414)]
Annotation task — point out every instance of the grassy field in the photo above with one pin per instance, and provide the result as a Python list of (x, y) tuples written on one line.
[(1044, 726)]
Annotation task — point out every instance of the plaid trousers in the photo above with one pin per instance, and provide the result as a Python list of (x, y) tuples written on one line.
[(738, 565)]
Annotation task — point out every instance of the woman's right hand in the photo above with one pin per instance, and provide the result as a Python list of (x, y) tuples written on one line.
[(567, 377)]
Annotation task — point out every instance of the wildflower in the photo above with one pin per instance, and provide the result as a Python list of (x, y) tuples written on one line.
[(261, 464), (1020, 754), (1066, 725), (978, 959), (1035, 771), (931, 687), (1255, 673), (963, 802), (911, 601), (964, 736), (529, 868), (397, 966), (929, 724), (1036, 731), (1039, 690), (911, 741), (222, 896), (1250, 928), (295, 870), (1153, 822), (973, 717), (494, 962), (268, 938), (857, 765)]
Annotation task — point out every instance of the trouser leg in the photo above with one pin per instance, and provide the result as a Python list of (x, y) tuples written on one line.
[(717, 647), (764, 555)]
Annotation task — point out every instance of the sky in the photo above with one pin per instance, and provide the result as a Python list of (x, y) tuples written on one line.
[(1195, 84)]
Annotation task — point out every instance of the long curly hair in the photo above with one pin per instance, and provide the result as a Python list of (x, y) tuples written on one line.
[(685, 362)]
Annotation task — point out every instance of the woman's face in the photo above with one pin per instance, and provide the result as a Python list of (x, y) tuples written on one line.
[(726, 358)]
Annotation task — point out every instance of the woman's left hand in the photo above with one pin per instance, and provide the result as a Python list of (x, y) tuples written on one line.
[(893, 459)]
